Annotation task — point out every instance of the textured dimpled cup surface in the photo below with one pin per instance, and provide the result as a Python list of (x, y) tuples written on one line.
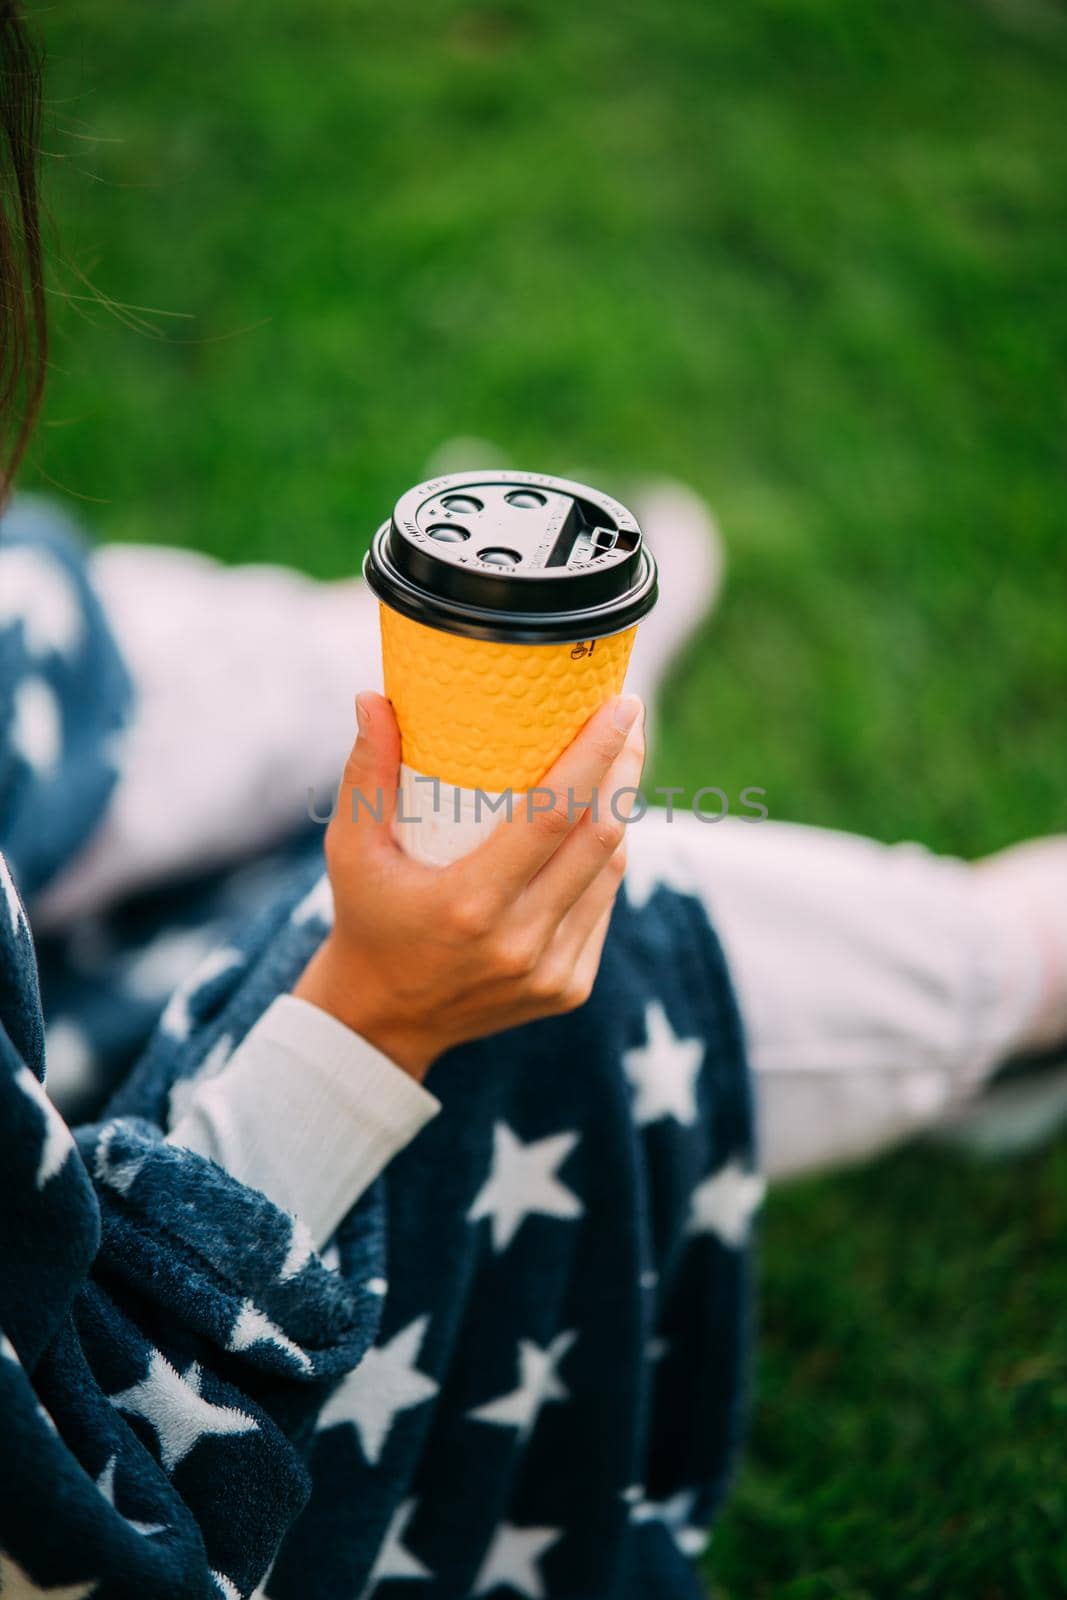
[(493, 716), (509, 607)]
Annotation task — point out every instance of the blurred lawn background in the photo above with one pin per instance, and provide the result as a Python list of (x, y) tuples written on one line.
[(809, 257)]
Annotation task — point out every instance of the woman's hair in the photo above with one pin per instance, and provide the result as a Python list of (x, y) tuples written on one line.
[(22, 303)]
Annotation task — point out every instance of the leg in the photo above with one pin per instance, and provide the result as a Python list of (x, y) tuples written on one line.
[(244, 679), (683, 536), (880, 986)]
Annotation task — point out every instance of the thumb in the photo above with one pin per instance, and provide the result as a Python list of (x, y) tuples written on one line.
[(368, 787)]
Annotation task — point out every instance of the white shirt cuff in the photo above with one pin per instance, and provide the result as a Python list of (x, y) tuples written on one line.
[(307, 1112)]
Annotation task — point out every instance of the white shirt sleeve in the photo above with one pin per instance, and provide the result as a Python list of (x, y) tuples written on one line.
[(307, 1112)]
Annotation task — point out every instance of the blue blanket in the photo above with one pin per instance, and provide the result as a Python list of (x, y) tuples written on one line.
[(519, 1367)]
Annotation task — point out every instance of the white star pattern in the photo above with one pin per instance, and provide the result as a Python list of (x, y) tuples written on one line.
[(48, 1420), (301, 1249), (538, 1383), (663, 1072), (510, 1561), (16, 1584), (117, 1174), (157, 969), (646, 872), (393, 1560), (9, 1353), (724, 1204), (11, 897), (675, 1514), (69, 1059), (174, 1406), (523, 1182), (106, 1484), (253, 1327), (177, 1018), (385, 1382), (183, 1090), (57, 1143), (37, 725), (316, 906), (35, 591)]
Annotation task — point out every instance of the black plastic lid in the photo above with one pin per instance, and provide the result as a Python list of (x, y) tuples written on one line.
[(513, 556)]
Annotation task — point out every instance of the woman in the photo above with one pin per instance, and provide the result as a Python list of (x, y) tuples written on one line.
[(251, 1323)]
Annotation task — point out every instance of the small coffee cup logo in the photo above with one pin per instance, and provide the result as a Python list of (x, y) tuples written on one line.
[(583, 649)]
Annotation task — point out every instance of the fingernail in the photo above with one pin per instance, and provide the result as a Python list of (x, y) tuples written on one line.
[(361, 716), (627, 711)]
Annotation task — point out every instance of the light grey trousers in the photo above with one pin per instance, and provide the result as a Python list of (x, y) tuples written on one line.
[(876, 989)]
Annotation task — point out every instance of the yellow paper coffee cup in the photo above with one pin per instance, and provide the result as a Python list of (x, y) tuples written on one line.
[(509, 607)]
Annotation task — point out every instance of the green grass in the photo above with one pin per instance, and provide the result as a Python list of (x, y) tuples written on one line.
[(811, 258), (909, 1436)]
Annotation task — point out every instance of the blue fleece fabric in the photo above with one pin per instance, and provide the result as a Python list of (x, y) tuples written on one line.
[(517, 1370)]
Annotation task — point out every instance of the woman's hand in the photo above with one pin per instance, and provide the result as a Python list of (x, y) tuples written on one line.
[(423, 958)]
